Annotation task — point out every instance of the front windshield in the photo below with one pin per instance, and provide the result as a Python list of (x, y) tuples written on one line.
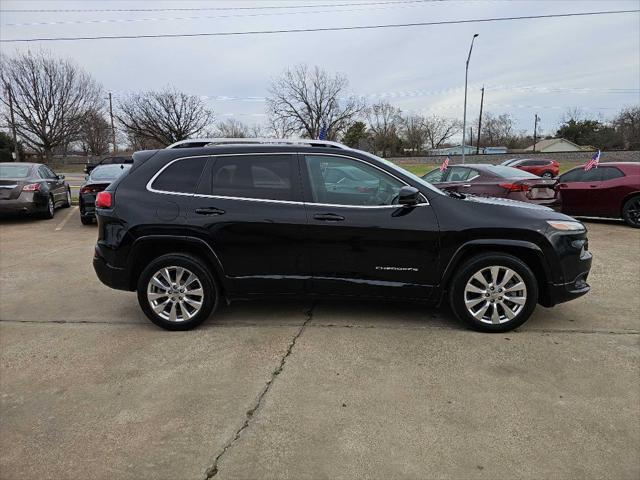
[(509, 172), (108, 172), (407, 173)]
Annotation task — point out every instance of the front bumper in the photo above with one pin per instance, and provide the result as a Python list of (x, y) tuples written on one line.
[(564, 292)]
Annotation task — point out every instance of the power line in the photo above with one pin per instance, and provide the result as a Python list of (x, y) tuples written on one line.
[(325, 29), (196, 9), (209, 17)]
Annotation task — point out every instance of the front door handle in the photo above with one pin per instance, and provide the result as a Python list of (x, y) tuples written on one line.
[(328, 217), (466, 185), (209, 211)]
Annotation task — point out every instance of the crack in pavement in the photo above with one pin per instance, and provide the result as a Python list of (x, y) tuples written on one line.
[(212, 470)]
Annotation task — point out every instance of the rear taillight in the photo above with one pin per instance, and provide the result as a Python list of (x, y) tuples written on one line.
[(515, 187), (31, 187), (104, 200), (92, 188)]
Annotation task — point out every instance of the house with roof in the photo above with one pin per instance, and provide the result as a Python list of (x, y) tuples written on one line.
[(551, 145)]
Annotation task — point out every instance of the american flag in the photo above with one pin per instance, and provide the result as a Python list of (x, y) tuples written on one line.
[(323, 133), (593, 162), (444, 165)]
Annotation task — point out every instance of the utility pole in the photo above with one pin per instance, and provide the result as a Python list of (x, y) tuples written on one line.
[(113, 128), (479, 122), (16, 154), (535, 132), (464, 117)]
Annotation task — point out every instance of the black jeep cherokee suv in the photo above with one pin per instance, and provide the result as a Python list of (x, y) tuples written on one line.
[(203, 220)]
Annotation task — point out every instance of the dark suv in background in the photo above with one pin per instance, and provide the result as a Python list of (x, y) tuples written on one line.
[(206, 220)]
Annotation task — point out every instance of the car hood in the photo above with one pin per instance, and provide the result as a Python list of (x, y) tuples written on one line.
[(506, 202)]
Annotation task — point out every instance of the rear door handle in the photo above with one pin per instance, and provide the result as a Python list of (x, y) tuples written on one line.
[(328, 217), (209, 211)]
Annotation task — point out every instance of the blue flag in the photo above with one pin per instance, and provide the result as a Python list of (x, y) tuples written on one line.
[(323, 133)]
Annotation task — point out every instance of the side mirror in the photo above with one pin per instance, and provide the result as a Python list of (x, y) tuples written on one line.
[(408, 195), (86, 177), (60, 177)]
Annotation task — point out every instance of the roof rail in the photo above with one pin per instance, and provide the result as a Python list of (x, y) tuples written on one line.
[(205, 142)]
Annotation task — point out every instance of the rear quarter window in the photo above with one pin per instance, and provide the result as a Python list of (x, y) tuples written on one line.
[(181, 176)]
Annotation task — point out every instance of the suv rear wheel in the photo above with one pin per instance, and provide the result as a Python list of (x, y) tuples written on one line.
[(494, 292), (547, 174), (176, 292)]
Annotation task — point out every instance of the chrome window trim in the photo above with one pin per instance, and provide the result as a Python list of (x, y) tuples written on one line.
[(287, 202)]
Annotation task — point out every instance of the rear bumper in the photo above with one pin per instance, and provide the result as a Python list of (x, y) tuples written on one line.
[(111, 276), (25, 203)]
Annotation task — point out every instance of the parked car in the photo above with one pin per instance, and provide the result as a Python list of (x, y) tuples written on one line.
[(187, 236), (611, 190), (99, 179), (495, 181), (32, 188), (115, 160), (545, 168)]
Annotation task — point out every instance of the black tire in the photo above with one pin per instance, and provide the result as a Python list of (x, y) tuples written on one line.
[(631, 211), (483, 261), (67, 202), (86, 220), (197, 267), (51, 209), (547, 174)]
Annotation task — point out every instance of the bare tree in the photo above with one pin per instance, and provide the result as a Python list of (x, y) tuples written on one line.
[(438, 130), (414, 132), (384, 121), (280, 127), (95, 133), (312, 100), (232, 128), (51, 98), (498, 130), (627, 124), (164, 117)]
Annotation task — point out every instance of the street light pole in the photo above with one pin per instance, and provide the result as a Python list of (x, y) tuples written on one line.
[(464, 116)]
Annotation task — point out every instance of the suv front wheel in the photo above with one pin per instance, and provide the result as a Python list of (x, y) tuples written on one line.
[(494, 292), (176, 292)]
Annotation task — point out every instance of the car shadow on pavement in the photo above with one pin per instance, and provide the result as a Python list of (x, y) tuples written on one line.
[(351, 313)]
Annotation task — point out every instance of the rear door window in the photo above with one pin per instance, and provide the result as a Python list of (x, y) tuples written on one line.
[(609, 173), (261, 177), (181, 176)]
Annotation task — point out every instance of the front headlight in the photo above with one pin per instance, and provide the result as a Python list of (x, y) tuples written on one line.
[(566, 226)]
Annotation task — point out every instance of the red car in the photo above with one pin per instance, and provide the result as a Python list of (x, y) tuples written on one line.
[(545, 168), (611, 190), (495, 181)]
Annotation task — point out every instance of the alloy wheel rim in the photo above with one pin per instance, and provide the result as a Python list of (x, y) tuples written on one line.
[(495, 295), (50, 206), (68, 197), (175, 294), (634, 211)]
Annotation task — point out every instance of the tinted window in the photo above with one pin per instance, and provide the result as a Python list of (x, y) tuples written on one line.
[(268, 177), (462, 174), (435, 176), (609, 173), (47, 172), (580, 175), (14, 171), (181, 176), (108, 172), (364, 185)]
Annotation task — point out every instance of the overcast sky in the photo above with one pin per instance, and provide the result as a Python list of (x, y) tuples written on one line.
[(543, 66)]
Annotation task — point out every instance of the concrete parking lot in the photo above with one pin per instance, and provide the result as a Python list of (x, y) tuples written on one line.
[(309, 389)]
